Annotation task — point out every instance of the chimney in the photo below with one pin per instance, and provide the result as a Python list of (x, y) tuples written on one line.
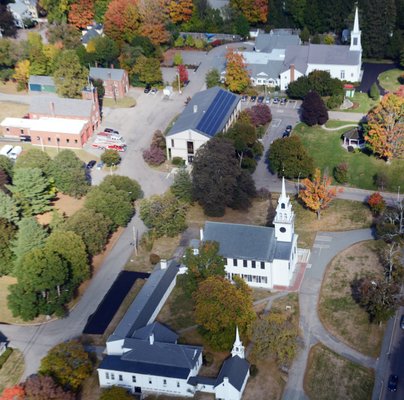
[(151, 338), (163, 263), (195, 108), (201, 234), (52, 108), (292, 72)]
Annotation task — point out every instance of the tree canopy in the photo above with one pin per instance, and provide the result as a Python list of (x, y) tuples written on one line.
[(314, 111), (236, 78)]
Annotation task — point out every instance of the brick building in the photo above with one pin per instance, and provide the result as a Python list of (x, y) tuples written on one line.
[(116, 81)]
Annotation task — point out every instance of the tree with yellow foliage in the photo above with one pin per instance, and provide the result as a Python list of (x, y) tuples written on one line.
[(237, 79), (21, 74)]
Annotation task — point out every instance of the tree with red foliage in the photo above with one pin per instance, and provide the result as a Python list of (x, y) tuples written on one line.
[(180, 10), (13, 393), (122, 20), (81, 13), (254, 10), (260, 114), (154, 20), (376, 203), (314, 111), (183, 73), (44, 387)]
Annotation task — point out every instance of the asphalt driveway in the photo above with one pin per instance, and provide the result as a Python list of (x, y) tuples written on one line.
[(99, 321), (370, 74)]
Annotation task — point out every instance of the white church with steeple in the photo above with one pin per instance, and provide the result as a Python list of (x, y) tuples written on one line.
[(341, 61), (265, 257)]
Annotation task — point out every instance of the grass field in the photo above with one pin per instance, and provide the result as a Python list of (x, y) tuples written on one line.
[(10, 373), (362, 103), (327, 152), (10, 109), (332, 377), (338, 311), (389, 79), (125, 102)]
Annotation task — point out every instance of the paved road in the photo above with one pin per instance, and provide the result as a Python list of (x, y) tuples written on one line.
[(370, 74), (327, 245)]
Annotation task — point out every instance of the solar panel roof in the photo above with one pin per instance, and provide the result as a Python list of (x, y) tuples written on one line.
[(214, 115)]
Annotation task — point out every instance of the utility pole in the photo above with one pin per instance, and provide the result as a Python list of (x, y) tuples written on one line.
[(134, 230)]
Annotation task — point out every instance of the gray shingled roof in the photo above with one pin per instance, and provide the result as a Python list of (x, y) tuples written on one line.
[(114, 363), (236, 370), (41, 80), (145, 303), (63, 107), (89, 35), (283, 250), (115, 74), (239, 241), (161, 333), (272, 69), (280, 39), (202, 100), (296, 55), (167, 354), (332, 54)]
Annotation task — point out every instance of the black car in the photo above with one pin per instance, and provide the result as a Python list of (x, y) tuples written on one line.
[(402, 322), (285, 134), (283, 101), (288, 128), (253, 98), (392, 385), (110, 130), (91, 164), (147, 88), (260, 99)]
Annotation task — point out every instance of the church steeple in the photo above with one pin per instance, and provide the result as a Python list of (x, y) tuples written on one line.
[(284, 220), (356, 34), (238, 348)]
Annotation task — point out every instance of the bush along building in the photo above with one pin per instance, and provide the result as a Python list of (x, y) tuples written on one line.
[(265, 257), (144, 356)]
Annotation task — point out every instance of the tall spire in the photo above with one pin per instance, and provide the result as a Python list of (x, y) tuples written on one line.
[(238, 348), (356, 22), (283, 194), (356, 34)]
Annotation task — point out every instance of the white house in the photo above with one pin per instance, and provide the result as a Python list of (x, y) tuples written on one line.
[(209, 112), (282, 58), (143, 356), (23, 9), (263, 256)]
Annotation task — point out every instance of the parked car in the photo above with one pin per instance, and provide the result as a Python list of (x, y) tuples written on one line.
[(275, 100), (253, 99), (110, 130), (268, 99), (91, 164), (283, 101), (185, 84), (100, 165), (288, 128), (402, 322), (147, 88), (285, 134), (244, 98), (392, 384), (13, 155), (260, 99), (153, 91)]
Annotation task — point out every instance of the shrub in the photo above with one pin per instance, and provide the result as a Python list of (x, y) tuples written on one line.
[(154, 156), (178, 161), (189, 41), (208, 359), (314, 111), (158, 140), (253, 370), (199, 44), (334, 102), (341, 173), (374, 92), (260, 114), (179, 41), (110, 157), (154, 258), (376, 203), (177, 58)]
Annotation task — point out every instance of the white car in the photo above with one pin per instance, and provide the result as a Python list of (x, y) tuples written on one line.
[(153, 91)]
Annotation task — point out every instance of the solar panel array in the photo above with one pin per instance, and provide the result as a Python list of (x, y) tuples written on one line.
[(216, 112)]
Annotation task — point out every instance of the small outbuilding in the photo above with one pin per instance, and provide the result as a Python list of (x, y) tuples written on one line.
[(354, 138), (41, 84)]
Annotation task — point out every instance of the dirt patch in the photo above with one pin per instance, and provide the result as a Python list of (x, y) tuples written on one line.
[(332, 377), (338, 311), (11, 372), (10, 87), (65, 204)]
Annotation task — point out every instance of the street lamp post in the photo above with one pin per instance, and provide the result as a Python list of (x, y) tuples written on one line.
[(179, 83)]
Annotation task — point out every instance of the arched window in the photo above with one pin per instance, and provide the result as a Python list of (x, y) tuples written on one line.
[(283, 205)]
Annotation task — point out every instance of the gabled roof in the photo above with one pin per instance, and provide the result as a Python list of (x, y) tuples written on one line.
[(332, 54), (161, 333), (114, 363), (145, 303), (242, 241), (115, 74), (236, 370), (62, 107), (276, 39), (272, 69), (296, 55), (207, 112), (41, 80), (89, 35)]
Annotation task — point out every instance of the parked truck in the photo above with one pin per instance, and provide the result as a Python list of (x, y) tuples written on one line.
[(102, 143), (110, 136)]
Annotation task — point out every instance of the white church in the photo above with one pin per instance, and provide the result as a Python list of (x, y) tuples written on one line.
[(265, 257), (279, 58)]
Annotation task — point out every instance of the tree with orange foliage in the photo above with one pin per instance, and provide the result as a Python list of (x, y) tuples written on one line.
[(122, 20), (385, 127), (318, 193), (180, 10), (81, 13), (237, 79), (154, 18), (13, 393), (254, 10)]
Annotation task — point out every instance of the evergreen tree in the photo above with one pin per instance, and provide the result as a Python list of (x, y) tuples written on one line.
[(5, 163), (182, 186), (34, 158), (212, 78), (31, 190), (374, 92), (30, 235), (7, 234), (9, 210)]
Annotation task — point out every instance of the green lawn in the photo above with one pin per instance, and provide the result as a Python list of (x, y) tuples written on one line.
[(124, 102), (389, 79), (362, 103), (325, 147)]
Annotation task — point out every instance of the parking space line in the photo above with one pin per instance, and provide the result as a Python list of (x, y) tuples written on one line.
[(276, 122)]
